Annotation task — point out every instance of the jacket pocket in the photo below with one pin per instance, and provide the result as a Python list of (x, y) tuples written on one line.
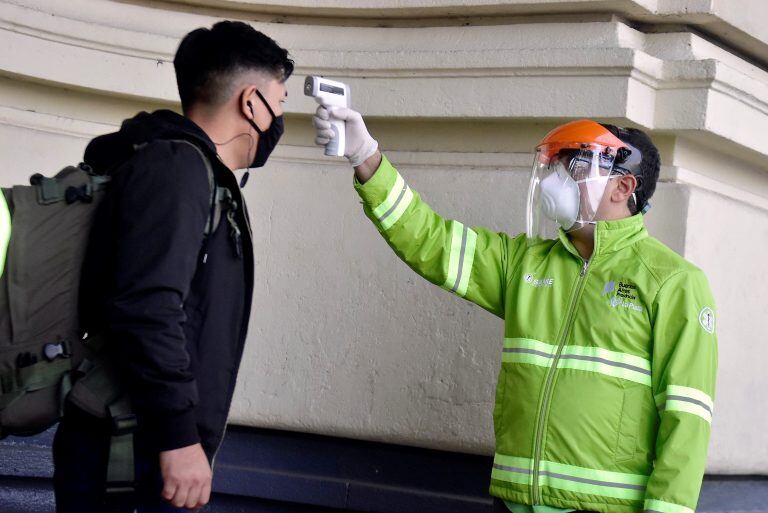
[(629, 425)]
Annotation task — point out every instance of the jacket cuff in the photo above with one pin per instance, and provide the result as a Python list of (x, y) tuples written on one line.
[(172, 431), (657, 506), (375, 190)]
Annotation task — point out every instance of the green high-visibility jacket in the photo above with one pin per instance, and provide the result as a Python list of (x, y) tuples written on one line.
[(605, 395)]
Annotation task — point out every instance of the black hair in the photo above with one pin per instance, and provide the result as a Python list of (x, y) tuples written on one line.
[(208, 61), (647, 171)]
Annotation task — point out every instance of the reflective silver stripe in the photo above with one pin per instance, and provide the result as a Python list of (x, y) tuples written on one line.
[(627, 366), (679, 398), (398, 199), (461, 259), (690, 400), (582, 480), (578, 357), (512, 469), (607, 362), (394, 206), (525, 350), (592, 481)]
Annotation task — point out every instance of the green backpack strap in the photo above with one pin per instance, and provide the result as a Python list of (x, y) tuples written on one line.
[(100, 393), (16, 382), (214, 215), (121, 478)]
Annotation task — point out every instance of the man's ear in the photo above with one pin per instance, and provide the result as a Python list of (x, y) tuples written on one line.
[(625, 186), (246, 101)]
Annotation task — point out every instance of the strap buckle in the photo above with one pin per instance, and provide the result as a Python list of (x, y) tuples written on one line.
[(58, 349), (124, 424), (120, 497), (120, 491), (84, 194)]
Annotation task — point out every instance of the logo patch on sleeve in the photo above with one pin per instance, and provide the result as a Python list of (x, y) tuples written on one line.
[(707, 319)]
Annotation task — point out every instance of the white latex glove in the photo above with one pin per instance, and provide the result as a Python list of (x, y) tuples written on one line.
[(360, 144)]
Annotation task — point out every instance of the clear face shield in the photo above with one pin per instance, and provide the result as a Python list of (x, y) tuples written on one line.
[(567, 188)]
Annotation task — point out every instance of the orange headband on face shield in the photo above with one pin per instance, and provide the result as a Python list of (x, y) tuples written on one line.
[(576, 134)]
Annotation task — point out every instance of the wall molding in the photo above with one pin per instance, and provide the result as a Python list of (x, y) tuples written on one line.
[(50, 123), (510, 162), (600, 69)]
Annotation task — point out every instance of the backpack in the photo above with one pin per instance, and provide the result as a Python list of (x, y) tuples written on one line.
[(44, 232)]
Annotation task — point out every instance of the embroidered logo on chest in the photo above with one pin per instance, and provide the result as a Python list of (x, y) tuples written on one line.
[(622, 294)]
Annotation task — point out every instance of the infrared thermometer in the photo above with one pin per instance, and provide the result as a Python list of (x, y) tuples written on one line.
[(330, 93)]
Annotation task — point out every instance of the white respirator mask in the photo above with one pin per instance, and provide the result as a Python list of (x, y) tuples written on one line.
[(560, 197), (566, 189)]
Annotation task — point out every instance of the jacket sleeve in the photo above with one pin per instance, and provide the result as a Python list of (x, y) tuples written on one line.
[(683, 377), (469, 262), (162, 205)]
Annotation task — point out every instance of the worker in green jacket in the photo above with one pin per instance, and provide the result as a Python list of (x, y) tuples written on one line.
[(605, 394)]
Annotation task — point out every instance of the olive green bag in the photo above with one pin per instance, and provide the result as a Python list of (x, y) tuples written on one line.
[(41, 347)]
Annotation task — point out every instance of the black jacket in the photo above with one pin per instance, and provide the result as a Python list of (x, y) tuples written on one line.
[(173, 303)]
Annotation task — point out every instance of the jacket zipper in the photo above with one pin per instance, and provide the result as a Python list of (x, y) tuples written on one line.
[(548, 384), (218, 446), (243, 329)]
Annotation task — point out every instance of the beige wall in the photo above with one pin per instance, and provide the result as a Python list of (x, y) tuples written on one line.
[(728, 240), (344, 338)]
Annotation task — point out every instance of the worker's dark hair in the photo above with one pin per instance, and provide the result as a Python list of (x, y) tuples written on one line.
[(647, 172), (208, 61)]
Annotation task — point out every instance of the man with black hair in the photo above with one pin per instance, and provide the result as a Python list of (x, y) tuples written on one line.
[(605, 394), (647, 173), (168, 277)]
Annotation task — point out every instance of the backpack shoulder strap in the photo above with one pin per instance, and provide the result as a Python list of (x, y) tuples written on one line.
[(214, 215)]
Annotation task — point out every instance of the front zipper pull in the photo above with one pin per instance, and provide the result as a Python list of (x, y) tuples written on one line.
[(584, 268), (204, 250)]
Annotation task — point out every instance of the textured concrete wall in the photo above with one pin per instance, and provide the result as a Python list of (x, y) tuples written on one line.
[(729, 241), (344, 338)]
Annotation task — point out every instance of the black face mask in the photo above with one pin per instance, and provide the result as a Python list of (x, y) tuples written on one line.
[(267, 138)]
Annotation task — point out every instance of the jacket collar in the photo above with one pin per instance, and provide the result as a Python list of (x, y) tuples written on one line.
[(107, 152), (611, 236)]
